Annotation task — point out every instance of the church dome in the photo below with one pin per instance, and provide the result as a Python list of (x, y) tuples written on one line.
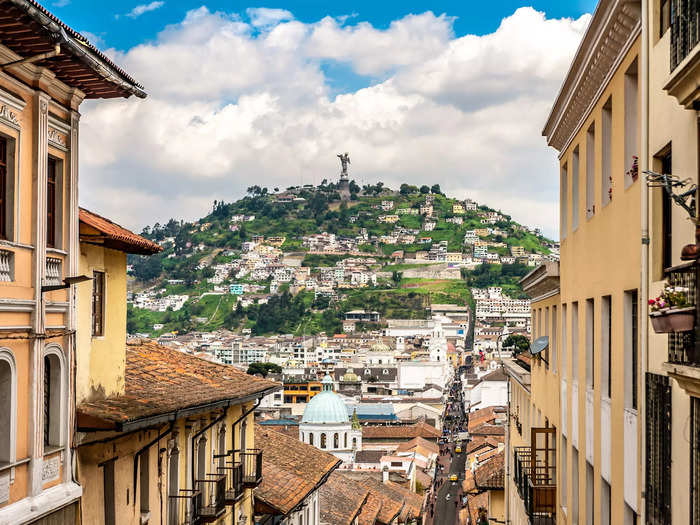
[(349, 376), (326, 407), (379, 347)]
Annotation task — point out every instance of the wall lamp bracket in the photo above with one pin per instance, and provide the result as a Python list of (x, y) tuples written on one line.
[(67, 283)]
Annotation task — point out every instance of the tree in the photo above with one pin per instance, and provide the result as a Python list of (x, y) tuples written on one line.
[(435, 189), (264, 368), (404, 189), (519, 343), (424, 189), (396, 277)]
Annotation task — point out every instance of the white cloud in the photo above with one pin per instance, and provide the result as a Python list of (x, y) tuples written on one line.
[(60, 3), (231, 106), (266, 17), (144, 8)]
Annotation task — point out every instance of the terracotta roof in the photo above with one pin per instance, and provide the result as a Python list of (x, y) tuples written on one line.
[(369, 456), (291, 431), (489, 430), (114, 236), (413, 503), (80, 64), (420, 444), (370, 510), (479, 442), (489, 475), (421, 429), (291, 469), (162, 384), (483, 415), (392, 497), (341, 499), (476, 502), (497, 375)]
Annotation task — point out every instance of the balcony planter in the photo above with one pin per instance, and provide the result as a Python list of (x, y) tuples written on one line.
[(669, 320)]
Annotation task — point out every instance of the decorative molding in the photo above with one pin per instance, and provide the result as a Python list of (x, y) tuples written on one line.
[(50, 469), (57, 139), (17, 305), (9, 116)]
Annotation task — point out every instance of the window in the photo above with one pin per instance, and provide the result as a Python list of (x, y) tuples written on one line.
[(222, 447), (574, 485), (345, 440), (658, 450), (98, 302), (311, 438), (665, 159), (201, 459), (590, 172), (554, 340), (606, 171), (396, 464), (604, 502), (590, 345), (144, 480), (108, 500), (631, 125), (605, 342), (564, 200), (3, 187), (336, 441), (664, 17), (173, 486), (243, 434), (53, 392), (564, 470), (631, 348), (323, 440), (589, 495), (51, 196), (575, 190), (354, 443), (564, 342), (547, 332), (8, 406), (574, 341)]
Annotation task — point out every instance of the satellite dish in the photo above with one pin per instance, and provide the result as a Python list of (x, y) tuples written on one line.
[(539, 344)]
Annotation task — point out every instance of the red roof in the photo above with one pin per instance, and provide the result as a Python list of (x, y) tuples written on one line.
[(113, 236)]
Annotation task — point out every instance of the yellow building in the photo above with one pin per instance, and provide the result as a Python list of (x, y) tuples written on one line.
[(48, 70), (162, 436), (299, 390), (595, 126), (458, 209)]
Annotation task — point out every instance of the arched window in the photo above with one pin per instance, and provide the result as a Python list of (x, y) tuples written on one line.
[(173, 484), (345, 440), (54, 392), (323, 440), (336, 441), (202, 458), (311, 438), (8, 406), (354, 443), (222, 446)]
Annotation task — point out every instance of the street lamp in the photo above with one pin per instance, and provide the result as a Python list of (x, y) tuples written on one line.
[(67, 283)]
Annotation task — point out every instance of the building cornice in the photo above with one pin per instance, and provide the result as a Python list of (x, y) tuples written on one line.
[(613, 29)]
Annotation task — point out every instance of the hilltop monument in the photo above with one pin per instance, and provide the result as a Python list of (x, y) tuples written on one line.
[(344, 185)]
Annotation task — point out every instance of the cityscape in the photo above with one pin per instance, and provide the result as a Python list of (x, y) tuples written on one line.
[(349, 265)]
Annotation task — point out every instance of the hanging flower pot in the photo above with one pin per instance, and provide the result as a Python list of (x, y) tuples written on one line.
[(659, 321), (670, 320)]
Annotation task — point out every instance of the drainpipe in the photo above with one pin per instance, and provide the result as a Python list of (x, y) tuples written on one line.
[(644, 285), (202, 431), (146, 447)]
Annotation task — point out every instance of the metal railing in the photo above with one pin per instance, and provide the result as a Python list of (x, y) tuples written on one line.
[(685, 29), (213, 490), (681, 345), (536, 488), (251, 460), (233, 470), (184, 508)]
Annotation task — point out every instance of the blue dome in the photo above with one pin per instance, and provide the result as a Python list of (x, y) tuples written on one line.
[(326, 407)]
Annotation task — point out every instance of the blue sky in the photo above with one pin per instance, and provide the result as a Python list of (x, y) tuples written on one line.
[(473, 17), (241, 94)]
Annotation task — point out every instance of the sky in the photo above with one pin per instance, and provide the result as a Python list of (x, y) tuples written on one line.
[(420, 92)]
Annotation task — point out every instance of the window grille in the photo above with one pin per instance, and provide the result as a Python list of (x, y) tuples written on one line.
[(658, 453)]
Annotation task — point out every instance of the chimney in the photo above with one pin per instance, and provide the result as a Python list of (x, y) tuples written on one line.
[(385, 474)]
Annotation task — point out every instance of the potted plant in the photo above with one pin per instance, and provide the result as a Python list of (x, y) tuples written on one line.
[(671, 312)]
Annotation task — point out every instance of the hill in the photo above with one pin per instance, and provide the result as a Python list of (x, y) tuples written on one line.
[(294, 261)]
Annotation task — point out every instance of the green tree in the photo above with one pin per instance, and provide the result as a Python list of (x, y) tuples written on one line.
[(264, 368), (424, 189), (435, 189), (396, 277), (518, 342)]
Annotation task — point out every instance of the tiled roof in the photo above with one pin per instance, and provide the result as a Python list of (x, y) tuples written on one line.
[(489, 430), (370, 510), (413, 503), (480, 442), (420, 444), (291, 431), (481, 416), (369, 456), (489, 475), (341, 499), (476, 502), (291, 469), (114, 236), (496, 375), (421, 429), (162, 383), (392, 497)]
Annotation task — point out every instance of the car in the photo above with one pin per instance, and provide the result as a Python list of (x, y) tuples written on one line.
[(458, 450), (453, 477)]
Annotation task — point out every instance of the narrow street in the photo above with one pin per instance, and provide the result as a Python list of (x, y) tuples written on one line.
[(445, 502)]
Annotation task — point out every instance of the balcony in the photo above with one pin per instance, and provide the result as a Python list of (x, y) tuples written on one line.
[(53, 271), (233, 471), (683, 350), (184, 508), (251, 461), (213, 497), (536, 486), (685, 52)]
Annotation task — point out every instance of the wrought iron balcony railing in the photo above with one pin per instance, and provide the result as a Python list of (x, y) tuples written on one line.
[(184, 507), (251, 460), (536, 487), (682, 345), (233, 470), (685, 29), (213, 490)]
